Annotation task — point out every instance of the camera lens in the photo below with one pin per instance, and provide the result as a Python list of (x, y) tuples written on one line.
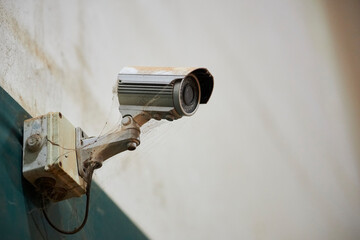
[(187, 95)]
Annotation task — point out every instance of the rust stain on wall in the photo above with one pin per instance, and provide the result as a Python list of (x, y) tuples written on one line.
[(70, 80), (26, 40)]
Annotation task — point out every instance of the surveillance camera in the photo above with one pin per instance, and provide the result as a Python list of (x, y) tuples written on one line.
[(162, 93), (59, 159)]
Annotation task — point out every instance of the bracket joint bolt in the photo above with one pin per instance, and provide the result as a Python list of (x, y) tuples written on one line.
[(131, 146), (126, 121)]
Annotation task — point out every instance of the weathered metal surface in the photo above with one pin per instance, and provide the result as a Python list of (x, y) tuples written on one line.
[(20, 212), (170, 71), (99, 149), (55, 158)]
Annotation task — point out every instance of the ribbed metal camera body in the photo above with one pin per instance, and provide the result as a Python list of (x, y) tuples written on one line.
[(162, 93)]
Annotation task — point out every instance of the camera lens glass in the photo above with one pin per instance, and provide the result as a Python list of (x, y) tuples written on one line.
[(190, 94)]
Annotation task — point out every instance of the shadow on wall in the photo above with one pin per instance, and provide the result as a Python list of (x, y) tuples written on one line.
[(20, 209)]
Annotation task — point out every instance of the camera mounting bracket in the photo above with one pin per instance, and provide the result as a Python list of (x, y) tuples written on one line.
[(98, 149)]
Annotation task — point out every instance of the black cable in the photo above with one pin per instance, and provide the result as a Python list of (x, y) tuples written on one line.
[(90, 169)]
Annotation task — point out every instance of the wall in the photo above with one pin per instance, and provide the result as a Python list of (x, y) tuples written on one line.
[(273, 155)]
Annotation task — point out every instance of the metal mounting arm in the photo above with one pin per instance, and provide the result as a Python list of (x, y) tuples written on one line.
[(98, 149)]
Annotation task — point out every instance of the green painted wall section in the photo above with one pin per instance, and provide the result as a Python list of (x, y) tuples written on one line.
[(20, 209)]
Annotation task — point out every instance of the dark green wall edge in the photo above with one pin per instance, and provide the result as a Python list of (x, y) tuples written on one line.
[(20, 212)]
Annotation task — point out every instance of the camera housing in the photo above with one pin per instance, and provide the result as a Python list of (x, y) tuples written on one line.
[(162, 92)]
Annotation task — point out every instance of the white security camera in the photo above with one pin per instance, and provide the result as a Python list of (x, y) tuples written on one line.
[(162, 93), (59, 159)]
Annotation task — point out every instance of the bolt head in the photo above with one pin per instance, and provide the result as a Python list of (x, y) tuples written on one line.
[(126, 121), (131, 146), (34, 143)]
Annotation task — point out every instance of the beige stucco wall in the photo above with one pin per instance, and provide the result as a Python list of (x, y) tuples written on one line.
[(275, 153)]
